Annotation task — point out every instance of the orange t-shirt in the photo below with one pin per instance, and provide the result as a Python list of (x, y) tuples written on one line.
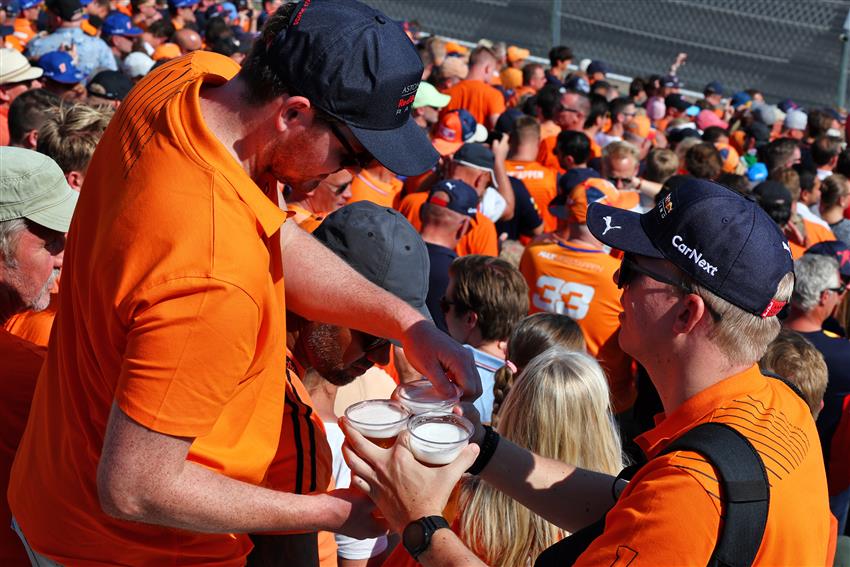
[(19, 371), (669, 514), (4, 126), (34, 326), (480, 99), (549, 129), (577, 280), (304, 218), (367, 187), (814, 233), (542, 184), (172, 307), (481, 238), (546, 153), (25, 30)]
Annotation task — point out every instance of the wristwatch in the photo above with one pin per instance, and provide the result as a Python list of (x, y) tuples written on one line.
[(417, 535)]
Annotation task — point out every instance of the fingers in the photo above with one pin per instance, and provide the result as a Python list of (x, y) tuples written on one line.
[(463, 461), (360, 484), (362, 446)]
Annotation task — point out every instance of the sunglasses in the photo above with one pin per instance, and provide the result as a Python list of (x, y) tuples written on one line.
[(624, 180), (837, 290), (629, 270), (372, 343), (446, 304), (562, 108), (352, 159)]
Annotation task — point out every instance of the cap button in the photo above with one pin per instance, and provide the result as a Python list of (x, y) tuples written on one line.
[(380, 19)]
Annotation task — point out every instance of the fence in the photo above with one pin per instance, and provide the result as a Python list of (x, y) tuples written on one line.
[(786, 48)]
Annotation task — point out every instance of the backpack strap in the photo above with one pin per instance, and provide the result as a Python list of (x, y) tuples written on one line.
[(745, 485)]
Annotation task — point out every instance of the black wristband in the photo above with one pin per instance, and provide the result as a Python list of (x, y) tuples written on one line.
[(488, 448)]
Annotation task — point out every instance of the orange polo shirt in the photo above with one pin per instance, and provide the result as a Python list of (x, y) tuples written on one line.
[(814, 233), (669, 514), (172, 307), (542, 184), (19, 371), (480, 99), (577, 280), (481, 238), (367, 187), (34, 326), (305, 219)]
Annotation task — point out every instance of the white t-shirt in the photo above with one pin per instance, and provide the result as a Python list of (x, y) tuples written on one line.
[(348, 547)]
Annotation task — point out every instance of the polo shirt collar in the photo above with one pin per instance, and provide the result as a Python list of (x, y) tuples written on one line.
[(698, 409)]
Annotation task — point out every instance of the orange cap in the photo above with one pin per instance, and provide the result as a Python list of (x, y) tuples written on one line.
[(729, 156), (455, 47), (517, 53), (639, 126), (593, 190)]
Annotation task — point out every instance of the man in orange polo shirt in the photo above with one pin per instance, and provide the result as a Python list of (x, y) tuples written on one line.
[(159, 408), (331, 194), (570, 114), (704, 276), (572, 274), (475, 93), (541, 181), (36, 205)]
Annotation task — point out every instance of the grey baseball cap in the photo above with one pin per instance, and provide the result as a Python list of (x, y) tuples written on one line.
[(33, 187), (381, 245)]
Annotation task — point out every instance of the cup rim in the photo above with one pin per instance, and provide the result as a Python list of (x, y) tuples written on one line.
[(402, 388), (396, 405), (441, 418)]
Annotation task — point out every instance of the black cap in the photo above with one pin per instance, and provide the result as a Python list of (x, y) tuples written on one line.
[(836, 249), (460, 197), (68, 10), (720, 238), (359, 66), (676, 101), (382, 246), (110, 84)]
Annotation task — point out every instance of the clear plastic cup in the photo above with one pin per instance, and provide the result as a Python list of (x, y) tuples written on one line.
[(421, 397), (379, 421), (437, 439)]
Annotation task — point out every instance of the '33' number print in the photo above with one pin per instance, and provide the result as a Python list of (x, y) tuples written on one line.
[(568, 298)]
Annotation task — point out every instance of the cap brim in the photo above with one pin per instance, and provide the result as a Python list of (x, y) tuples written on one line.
[(621, 230), (480, 135), (57, 216), (444, 147), (405, 151), (27, 75)]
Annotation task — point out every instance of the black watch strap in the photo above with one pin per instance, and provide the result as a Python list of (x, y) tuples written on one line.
[(488, 447), (417, 535)]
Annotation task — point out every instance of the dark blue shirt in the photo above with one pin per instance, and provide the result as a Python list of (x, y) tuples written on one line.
[(526, 215), (836, 352), (438, 280)]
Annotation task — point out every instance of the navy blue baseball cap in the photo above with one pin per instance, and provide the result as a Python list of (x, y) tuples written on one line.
[(359, 66), (59, 66), (117, 23), (714, 87), (721, 239), (455, 195), (598, 66), (27, 4), (836, 249)]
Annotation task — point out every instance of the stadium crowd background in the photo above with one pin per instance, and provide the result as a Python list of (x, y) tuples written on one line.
[(525, 148)]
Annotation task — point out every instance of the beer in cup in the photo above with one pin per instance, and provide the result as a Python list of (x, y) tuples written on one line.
[(437, 439), (379, 421), (421, 396)]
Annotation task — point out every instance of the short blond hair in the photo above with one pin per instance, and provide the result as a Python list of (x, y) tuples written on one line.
[(70, 134), (740, 335), (794, 358)]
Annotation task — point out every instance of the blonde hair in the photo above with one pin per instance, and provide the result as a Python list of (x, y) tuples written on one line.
[(70, 134), (529, 338), (740, 335), (560, 408), (794, 358)]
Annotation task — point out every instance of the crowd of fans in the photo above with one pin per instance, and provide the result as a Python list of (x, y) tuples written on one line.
[(496, 242)]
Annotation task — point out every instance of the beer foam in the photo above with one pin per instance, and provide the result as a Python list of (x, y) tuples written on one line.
[(378, 420), (437, 443), (437, 432)]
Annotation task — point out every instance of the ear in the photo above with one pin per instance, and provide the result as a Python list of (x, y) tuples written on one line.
[(75, 179), (690, 311), (570, 161), (4, 96), (31, 139), (291, 111), (470, 319)]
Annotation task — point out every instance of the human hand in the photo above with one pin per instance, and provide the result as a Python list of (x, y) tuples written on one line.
[(469, 411), (359, 521), (403, 489), (441, 359), (500, 148)]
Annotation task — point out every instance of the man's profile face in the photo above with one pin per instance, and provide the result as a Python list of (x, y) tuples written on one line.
[(27, 277), (621, 172), (568, 115), (333, 192), (339, 354), (538, 79)]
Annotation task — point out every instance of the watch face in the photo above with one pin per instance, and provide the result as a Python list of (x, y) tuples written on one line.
[(414, 537)]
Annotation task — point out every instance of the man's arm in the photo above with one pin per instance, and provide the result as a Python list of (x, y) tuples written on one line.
[(503, 184), (144, 476), (322, 287)]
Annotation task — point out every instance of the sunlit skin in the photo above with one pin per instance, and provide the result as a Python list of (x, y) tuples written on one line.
[(27, 278), (332, 193), (569, 118), (337, 353)]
